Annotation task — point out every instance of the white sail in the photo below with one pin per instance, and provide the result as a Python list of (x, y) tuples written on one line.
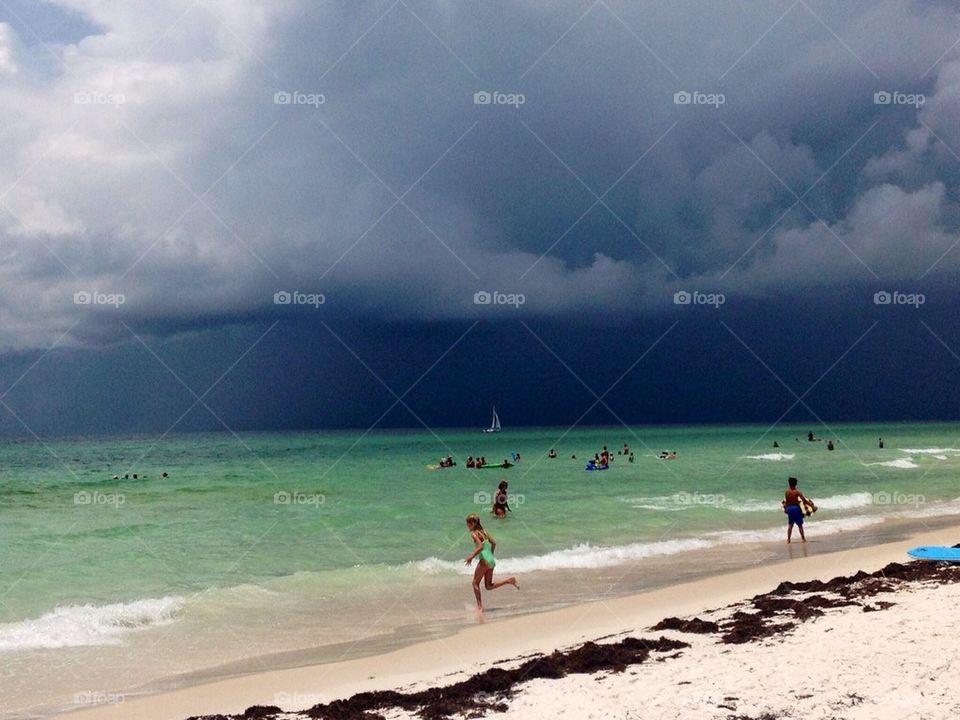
[(494, 423)]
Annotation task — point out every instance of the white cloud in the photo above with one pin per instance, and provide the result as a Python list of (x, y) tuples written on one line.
[(7, 64)]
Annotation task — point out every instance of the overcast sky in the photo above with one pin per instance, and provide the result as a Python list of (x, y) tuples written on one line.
[(300, 202)]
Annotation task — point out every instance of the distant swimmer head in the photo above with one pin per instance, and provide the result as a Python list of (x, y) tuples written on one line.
[(503, 485), (793, 482)]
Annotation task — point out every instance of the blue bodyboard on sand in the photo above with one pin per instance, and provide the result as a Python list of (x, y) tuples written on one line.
[(935, 552)]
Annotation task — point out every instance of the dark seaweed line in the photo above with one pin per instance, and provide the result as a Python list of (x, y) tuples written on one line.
[(488, 691)]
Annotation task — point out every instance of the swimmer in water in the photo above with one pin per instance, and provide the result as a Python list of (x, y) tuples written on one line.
[(501, 501)]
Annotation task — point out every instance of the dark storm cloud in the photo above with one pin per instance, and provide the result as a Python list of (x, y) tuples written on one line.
[(153, 159)]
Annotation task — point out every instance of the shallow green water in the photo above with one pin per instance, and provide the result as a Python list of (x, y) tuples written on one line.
[(261, 507)]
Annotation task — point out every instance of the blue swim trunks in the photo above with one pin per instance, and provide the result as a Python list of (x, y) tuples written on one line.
[(794, 515)]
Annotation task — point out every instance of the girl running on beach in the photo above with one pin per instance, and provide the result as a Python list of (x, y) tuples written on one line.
[(485, 546)]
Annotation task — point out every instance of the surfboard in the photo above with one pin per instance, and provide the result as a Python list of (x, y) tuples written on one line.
[(808, 508), (935, 552)]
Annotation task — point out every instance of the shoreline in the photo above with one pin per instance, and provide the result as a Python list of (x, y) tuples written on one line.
[(469, 650)]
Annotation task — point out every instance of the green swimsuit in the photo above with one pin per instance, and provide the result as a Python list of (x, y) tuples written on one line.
[(486, 554)]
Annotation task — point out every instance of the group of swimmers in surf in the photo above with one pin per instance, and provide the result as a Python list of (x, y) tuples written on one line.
[(602, 459), (831, 445), (480, 462), (812, 438), (135, 476)]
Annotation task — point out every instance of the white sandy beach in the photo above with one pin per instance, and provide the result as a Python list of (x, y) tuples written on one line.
[(896, 663), (899, 663)]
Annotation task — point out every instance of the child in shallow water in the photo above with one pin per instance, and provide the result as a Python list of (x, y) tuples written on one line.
[(485, 547), (794, 510)]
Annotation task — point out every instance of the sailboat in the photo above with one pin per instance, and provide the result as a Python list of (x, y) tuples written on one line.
[(494, 423)]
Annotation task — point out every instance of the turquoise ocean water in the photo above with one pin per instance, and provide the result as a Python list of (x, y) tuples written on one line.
[(273, 542)]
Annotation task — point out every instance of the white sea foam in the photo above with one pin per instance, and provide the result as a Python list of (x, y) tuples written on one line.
[(929, 451), (584, 555), (831, 502), (903, 463), (748, 506), (659, 503), (777, 456), (597, 556), (844, 502), (663, 508), (824, 527), (673, 503), (79, 625)]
